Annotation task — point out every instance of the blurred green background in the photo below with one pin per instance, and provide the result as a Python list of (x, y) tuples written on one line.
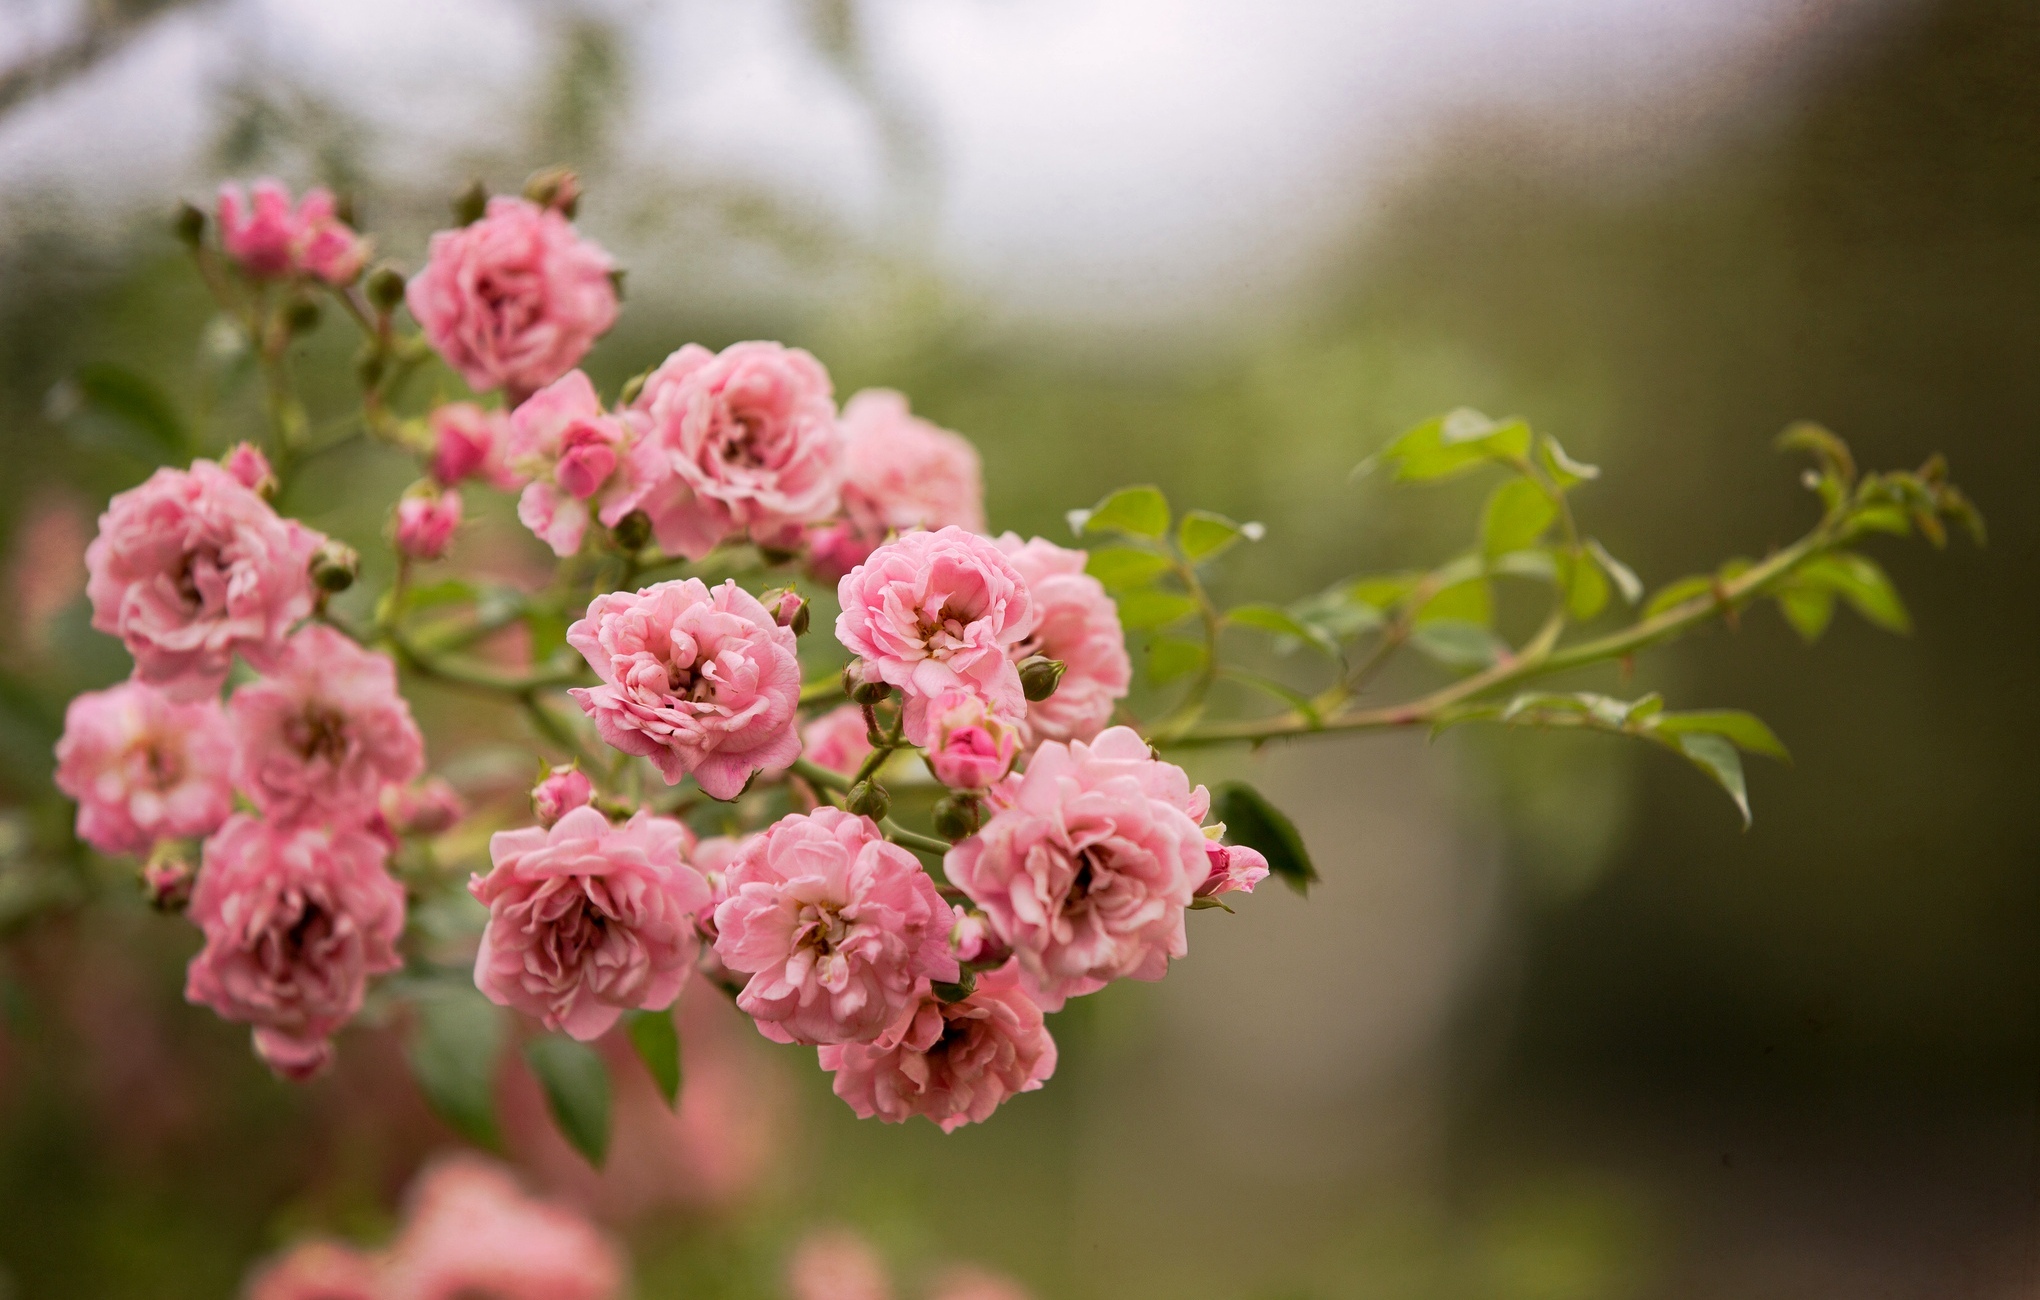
[(1554, 1025)]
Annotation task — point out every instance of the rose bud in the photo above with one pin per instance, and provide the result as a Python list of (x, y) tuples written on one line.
[(334, 566), (431, 807), (1039, 676), (167, 882), (563, 790), (425, 523)]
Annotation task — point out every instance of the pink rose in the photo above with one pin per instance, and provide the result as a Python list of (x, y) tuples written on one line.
[(588, 920), (836, 1264), (267, 238), (327, 247), (970, 747), (250, 468), (713, 857), (470, 442), (295, 921), (699, 680), (144, 767), (319, 737), (940, 611), (318, 1270), (515, 300), (839, 930), (563, 790), (1076, 622), (1234, 868), (954, 1062), (192, 568), (425, 522), (974, 941), (430, 807), (900, 473), (472, 1232), (563, 441), (1089, 863), (741, 443), (838, 740), (167, 883)]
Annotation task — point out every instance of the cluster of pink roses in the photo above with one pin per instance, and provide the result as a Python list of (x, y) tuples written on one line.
[(269, 238)]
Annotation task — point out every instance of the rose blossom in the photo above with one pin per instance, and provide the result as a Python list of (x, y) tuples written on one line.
[(320, 736), (1235, 868), (192, 568), (472, 1232), (973, 940), (430, 807), (588, 920), (900, 473), (837, 1264), (1088, 863), (425, 523), (144, 767), (969, 745), (838, 740), (740, 443), (267, 238), (563, 441), (954, 1062), (699, 680), (470, 442), (939, 611), (318, 1270), (250, 468), (1077, 623), (838, 929), (561, 791), (295, 921), (514, 300)]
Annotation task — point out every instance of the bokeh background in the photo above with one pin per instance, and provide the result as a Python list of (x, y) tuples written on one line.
[(1554, 1026)]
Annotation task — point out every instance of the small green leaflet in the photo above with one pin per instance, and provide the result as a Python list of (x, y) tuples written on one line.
[(658, 1046), (1136, 511), (1204, 535), (1170, 658), (576, 1084), (1457, 643), (453, 1054), (1517, 514), (1452, 444), (1259, 825), (1718, 759), (1150, 608), (1282, 624), (1122, 568)]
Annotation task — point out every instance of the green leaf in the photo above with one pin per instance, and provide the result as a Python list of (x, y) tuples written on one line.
[(1122, 568), (1336, 615), (576, 1087), (453, 1055), (1586, 590), (1807, 609), (1382, 591), (1150, 608), (1295, 699), (1458, 644), (1259, 825), (1463, 602), (1625, 577), (1719, 760), (1536, 565), (1136, 511), (1745, 730), (1452, 444), (1830, 450), (658, 1046), (1564, 470), (1517, 514), (1882, 519), (1170, 658), (134, 405), (1859, 580), (1283, 624), (1678, 593), (1204, 535)]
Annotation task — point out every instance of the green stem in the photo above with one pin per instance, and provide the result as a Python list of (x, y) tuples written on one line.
[(821, 778), (905, 838)]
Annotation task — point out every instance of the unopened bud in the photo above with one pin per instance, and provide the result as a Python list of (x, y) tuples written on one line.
[(633, 531), (563, 790), (385, 288), (1039, 676), (470, 204), (334, 566), (860, 688), (632, 387), (869, 799), (188, 225), (789, 609), (370, 366), (956, 816), (301, 315), (957, 992), (555, 187), (167, 880)]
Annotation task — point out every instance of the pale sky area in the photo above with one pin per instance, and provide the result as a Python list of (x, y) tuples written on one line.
[(1139, 154)]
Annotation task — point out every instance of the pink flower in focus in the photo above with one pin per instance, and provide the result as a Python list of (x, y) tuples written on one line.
[(430, 807), (1089, 864), (470, 442), (144, 767), (699, 680), (319, 737), (425, 522), (940, 611), (250, 468), (741, 443), (970, 747), (900, 473), (838, 929), (267, 238), (192, 568), (473, 1233), (563, 790), (318, 1270), (588, 920), (295, 922), (954, 1062), (837, 1264), (1235, 868), (966, 1282), (837, 740), (515, 300), (1076, 622), (569, 448)]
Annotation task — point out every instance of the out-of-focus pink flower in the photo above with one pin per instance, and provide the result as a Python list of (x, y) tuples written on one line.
[(699, 680), (327, 247), (144, 767), (588, 920), (471, 442), (472, 1232), (250, 468), (968, 1282), (563, 790), (940, 611), (514, 300), (268, 238), (295, 922), (323, 732), (970, 747), (838, 740), (839, 930), (46, 565), (425, 522), (900, 473), (428, 807), (1089, 864), (319, 1270), (1077, 623), (954, 1062), (740, 443), (973, 940), (837, 1264), (167, 883), (1235, 868), (569, 448), (192, 568)]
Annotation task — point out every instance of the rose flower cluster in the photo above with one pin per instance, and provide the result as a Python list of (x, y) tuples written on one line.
[(919, 968)]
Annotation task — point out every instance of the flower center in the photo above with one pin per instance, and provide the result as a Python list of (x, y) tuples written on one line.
[(743, 442), (820, 928), (199, 564), (319, 732)]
